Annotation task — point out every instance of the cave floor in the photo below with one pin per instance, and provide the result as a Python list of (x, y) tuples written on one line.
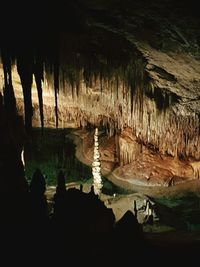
[(178, 206)]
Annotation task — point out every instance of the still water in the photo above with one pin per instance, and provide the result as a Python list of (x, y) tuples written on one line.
[(52, 151), (174, 213)]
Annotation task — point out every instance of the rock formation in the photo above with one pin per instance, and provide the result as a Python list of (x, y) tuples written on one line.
[(131, 69)]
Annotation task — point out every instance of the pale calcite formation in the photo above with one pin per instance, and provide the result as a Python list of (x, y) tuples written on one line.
[(96, 166)]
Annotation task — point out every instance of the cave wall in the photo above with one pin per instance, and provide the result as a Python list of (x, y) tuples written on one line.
[(170, 129), (116, 68)]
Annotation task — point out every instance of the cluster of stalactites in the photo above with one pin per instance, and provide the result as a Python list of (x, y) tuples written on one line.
[(166, 132), (116, 101), (128, 152), (170, 133), (111, 104)]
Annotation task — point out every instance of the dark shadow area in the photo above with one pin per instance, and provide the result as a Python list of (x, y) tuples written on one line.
[(80, 229), (80, 226)]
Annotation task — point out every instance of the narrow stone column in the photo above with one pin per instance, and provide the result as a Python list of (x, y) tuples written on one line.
[(96, 166)]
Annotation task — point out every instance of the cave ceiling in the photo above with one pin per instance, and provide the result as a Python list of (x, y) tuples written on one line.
[(119, 63)]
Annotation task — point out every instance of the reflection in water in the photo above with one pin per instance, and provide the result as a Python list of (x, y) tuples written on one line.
[(52, 151), (22, 157), (96, 166), (174, 211)]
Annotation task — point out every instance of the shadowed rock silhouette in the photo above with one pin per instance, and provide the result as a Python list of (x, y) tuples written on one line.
[(38, 201)]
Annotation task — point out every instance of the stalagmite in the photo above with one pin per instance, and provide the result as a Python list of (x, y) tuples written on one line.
[(96, 166), (116, 94), (149, 125)]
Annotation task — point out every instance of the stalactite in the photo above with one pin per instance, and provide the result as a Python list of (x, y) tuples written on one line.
[(196, 169), (167, 132), (25, 70), (101, 82), (77, 87), (117, 150), (38, 72), (111, 89), (9, 100), (56, 88), (9, 96), (117, 86)]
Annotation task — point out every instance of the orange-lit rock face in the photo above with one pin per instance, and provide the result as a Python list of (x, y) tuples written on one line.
[(149, 166), (150, 141), (173, 131), (137, 163), (151, 100)]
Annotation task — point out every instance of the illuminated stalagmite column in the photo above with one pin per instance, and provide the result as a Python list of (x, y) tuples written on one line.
[(96, 166)]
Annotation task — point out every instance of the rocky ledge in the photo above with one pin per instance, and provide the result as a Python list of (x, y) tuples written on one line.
[(146, 167)]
